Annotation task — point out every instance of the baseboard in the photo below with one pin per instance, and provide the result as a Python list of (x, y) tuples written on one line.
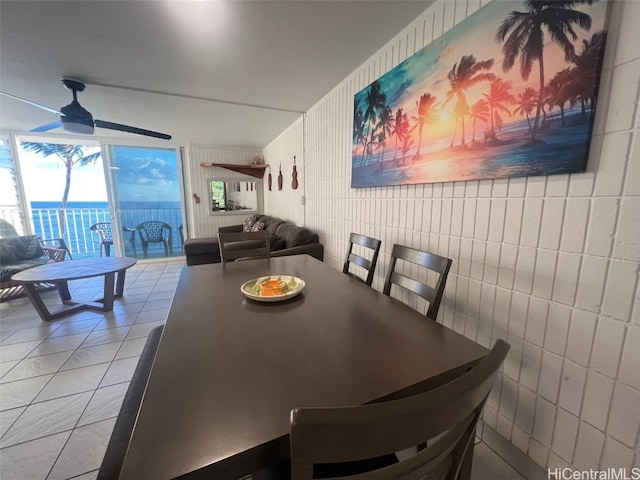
[(514, 457)]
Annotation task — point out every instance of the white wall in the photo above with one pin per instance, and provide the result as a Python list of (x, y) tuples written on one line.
[(550, 264), (201, 222)]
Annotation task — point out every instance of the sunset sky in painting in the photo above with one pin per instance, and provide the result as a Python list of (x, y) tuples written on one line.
[(426, 71)]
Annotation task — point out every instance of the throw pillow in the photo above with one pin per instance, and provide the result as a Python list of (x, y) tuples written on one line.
[(248, 223), (258, 227)]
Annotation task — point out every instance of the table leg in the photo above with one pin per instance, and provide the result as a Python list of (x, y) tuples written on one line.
[(63, 291), (120, 283), (107, 301), (38, 304)]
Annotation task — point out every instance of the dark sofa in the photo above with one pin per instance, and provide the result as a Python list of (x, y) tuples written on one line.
[(286, 239)]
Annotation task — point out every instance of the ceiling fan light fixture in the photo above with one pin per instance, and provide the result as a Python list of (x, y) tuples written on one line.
[(73, 126)]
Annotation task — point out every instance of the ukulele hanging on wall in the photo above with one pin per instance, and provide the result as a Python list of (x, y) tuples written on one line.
[(294, 182), (269, 179), (280, 178)]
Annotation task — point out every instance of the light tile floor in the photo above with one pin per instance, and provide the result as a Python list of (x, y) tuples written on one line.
[(62, 382)]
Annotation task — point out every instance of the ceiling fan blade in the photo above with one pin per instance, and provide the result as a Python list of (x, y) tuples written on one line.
[(47, 127), (44, 107), (127, 128)]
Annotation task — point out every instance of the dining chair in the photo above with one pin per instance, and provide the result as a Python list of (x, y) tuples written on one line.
[(431, 261), (360, 261), (438, 424), (103, 229), (122, 430), (235, 245), (155, 231)]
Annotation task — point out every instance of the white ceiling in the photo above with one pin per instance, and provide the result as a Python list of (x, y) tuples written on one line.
[(152, 64)]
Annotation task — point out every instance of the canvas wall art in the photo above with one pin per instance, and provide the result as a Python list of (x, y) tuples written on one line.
[(510, 91)]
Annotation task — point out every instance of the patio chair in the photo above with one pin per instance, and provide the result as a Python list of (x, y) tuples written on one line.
[(103, 229), (360, 261), (154, 231), (431, 261), (438, 424)]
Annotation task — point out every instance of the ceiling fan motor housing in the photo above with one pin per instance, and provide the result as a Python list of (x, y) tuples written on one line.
[(76, 119)]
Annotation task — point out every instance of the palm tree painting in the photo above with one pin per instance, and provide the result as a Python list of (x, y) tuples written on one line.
[(458, 109), (462, 77), (498, 97), (426, 115)]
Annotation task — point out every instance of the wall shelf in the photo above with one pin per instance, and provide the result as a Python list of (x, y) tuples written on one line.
[(256, 171)]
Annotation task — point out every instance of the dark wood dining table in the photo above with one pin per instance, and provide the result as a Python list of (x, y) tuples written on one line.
[(229, 370)]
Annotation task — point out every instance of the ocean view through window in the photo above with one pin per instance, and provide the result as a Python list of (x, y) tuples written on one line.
[(147, 192), (69, 189)]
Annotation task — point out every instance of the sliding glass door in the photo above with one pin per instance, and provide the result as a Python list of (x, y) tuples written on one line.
[(98, 198), (146, 190)]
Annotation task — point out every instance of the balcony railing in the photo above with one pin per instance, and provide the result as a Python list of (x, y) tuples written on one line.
[(82, 242)]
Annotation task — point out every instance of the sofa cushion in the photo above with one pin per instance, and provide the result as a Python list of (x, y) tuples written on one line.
[(10, 269), (18, 249), (294, 235), (271, 223), (278, 244)]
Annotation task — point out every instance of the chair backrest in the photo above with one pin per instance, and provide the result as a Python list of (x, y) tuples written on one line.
[(368, 265), (154, 231), (104, 230), (123, 428), (431, 261), (347, 434), (234, 245)]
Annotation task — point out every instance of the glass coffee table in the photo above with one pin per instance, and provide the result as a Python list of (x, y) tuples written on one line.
[(112, 268)]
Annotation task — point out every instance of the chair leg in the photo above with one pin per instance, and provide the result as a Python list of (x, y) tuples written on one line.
[(107, 250)]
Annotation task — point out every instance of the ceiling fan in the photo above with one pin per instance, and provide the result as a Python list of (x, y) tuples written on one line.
[(76, 119)]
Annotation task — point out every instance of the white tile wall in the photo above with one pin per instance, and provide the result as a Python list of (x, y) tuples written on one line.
[(286, 203), (548, 263)]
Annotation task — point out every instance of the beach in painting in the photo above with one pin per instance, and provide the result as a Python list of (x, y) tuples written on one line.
[(459, 109), (562, 152)]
